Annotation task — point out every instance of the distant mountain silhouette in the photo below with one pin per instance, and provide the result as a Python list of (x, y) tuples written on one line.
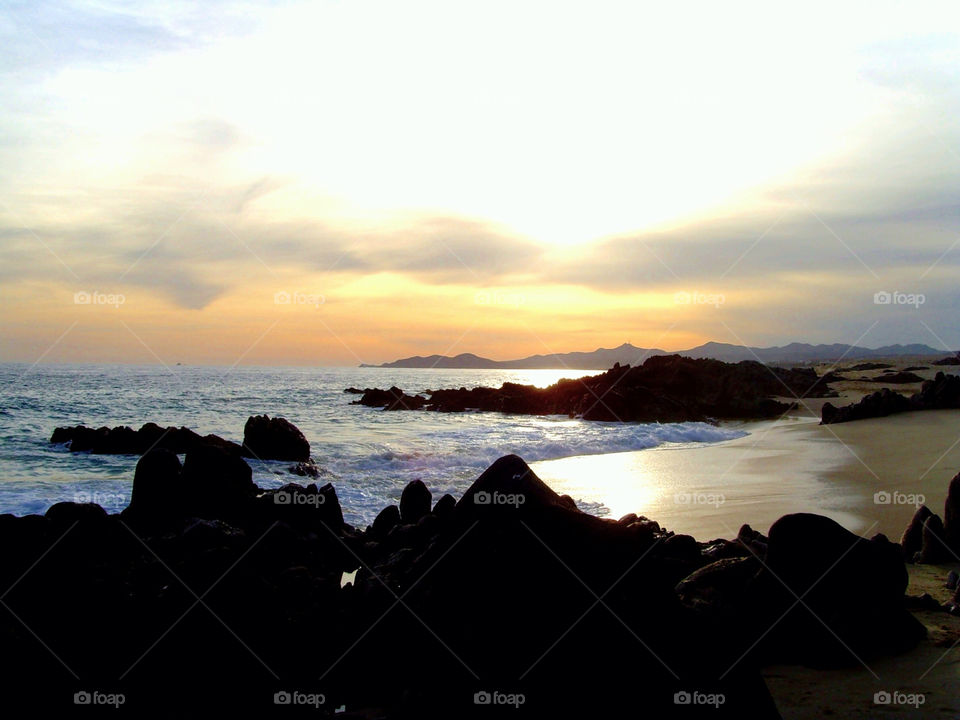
[(627, 354)]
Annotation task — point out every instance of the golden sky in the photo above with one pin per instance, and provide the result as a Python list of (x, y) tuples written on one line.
[(335, 183)]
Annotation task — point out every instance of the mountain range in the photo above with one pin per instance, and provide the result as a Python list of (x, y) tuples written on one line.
[(627, 354)]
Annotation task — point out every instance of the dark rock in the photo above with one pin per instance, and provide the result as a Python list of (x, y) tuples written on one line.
[(870, 366), (719, 588), (898, 378), (912, 539), (276, 438), (934, 549), (156, 484), (949, 360), (926, 601), (386, 520), (415, 502), (879, 404), (305, 469), (305, 509), (66, 513), (215, 483), (665, 389), (392, 399), (753, 541), (813, 558), (445, 507), (953, 580), (682, 547), (126, 441), (951, 514)]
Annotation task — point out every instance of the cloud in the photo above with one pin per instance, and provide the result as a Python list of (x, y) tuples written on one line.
[(192, 245)]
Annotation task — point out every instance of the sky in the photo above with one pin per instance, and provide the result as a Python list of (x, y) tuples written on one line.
[(340, 182)]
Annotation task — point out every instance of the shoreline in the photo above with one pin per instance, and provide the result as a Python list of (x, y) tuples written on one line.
[(781, 466)]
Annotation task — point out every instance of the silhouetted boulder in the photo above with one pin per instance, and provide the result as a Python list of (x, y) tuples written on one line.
[(951, 514), (215, 483), (66, 513), (813, 558), (445, 507), (415, 502), (386, 520), (912, 539), (276, 438), (934, 548)]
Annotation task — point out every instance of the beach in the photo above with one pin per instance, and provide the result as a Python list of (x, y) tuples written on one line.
[(866, 475)]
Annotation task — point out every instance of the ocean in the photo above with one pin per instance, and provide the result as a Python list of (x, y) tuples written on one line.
[(368, 454)]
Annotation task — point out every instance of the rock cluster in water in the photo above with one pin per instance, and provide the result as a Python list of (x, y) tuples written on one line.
[(264, 438), (943, 392), (668, 388)]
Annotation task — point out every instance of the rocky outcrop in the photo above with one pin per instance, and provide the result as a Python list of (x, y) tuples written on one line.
[(667, 388), (265, 438), (879, 404), (392, 399), (949, 360), (898, 378), (275, 438), (943, 392), (861, 367), (123, 440)]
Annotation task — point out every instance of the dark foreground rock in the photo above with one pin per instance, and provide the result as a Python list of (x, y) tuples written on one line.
[(666, 388), (800, 602), (210, 596), (941, 393)]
